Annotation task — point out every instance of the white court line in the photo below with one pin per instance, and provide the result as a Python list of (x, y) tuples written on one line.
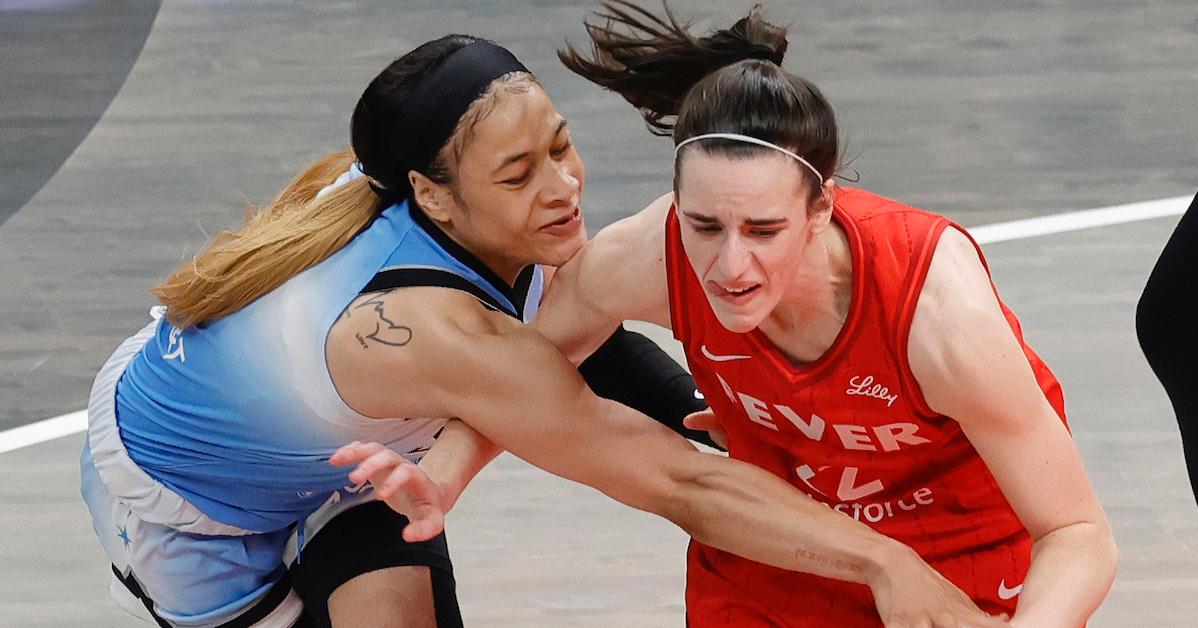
[(43, 431), (75, 422), (1074, 221)]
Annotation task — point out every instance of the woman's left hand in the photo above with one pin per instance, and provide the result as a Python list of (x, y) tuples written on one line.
[(403, 486)]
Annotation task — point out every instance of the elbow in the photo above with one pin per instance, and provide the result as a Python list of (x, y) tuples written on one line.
[(1106, 550), (1110, 551), (1093, 542), (1106, 560)]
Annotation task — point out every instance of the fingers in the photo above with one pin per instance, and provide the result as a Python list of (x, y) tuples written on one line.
[(972, 617), (424, 525), (391, 473), (354, 453), (407, 476), (996, 621), (706, 421), (702, 420), (950, 619), (373, 458), (379, 462)]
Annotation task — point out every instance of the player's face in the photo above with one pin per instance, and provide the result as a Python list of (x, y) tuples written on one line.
[(745, 228), (519, 185)]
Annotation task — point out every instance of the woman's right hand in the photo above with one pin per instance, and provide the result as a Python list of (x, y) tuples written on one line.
[(909, 593), (705, 421)]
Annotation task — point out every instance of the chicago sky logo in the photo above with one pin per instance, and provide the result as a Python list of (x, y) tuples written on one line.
[(174, 346)]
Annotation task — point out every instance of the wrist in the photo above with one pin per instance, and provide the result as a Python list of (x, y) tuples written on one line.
[(449, 494), (886, 560)]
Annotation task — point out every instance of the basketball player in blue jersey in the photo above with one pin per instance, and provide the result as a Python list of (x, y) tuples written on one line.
[(371, 312)]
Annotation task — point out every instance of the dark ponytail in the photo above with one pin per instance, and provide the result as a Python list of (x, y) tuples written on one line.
[(659, 61), (299, 229), (377, 124), (728, 81)]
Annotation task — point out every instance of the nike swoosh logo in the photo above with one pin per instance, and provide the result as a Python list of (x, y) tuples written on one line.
[(1004, 593), (720, 358), (699, 395)]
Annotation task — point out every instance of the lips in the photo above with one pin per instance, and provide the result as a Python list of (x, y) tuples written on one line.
[(736, 295), (564, 223)]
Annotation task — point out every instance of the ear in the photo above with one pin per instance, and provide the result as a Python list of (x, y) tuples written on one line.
[(821, 210), (432, 197)]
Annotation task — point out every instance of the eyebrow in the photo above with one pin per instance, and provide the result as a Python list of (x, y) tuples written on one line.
[(752, 222), (511, 159)]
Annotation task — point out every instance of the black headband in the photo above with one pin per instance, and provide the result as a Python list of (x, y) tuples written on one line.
[(434, 106)]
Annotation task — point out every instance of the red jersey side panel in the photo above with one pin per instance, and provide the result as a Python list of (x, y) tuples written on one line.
[(851, 430)]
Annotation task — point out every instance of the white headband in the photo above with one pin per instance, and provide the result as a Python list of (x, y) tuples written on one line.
[(748, 140)]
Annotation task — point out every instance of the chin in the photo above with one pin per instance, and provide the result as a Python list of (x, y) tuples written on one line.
[(561, 252), (737, 322)]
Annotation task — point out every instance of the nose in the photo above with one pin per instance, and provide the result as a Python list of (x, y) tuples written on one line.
[(564, 185), (733, 257)]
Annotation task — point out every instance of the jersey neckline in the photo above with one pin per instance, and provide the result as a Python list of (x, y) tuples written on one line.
[(516, 295), (796, 372)]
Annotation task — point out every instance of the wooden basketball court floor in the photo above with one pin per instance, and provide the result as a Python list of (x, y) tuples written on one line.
[(129, 130)]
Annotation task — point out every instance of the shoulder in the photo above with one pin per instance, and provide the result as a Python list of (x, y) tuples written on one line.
[(400, 341), (623, 269), (634, 245), (959, 333), (867, 203), (638, 235), (888, 228), (957, 278), (436, 309)]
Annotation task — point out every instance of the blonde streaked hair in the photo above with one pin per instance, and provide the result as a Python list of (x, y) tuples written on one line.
[(290, 234), (297, 230)]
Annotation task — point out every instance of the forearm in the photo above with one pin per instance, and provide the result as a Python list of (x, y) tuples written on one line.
[(456, 457), (747, 511), (554, 422), (1071, 571)]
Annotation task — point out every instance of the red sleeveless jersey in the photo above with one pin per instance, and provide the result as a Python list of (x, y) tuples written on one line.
[(851, 430)]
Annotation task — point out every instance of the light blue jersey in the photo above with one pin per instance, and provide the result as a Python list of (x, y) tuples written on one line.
[(239, 416), (207, 457)]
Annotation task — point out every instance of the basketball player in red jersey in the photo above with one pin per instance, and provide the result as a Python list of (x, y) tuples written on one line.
[(848, 343)]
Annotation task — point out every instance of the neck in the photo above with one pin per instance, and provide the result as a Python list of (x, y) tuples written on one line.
[(504, 269), (807, 321), (508, 272)]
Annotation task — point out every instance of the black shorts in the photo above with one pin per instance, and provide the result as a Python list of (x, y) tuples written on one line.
[(363, 539)]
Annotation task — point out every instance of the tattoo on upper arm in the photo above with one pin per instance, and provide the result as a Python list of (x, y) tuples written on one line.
[(386, 331)]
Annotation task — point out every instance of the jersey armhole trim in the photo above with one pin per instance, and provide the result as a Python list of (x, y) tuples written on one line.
[(432, 277), (676, 269), (917, 279)]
